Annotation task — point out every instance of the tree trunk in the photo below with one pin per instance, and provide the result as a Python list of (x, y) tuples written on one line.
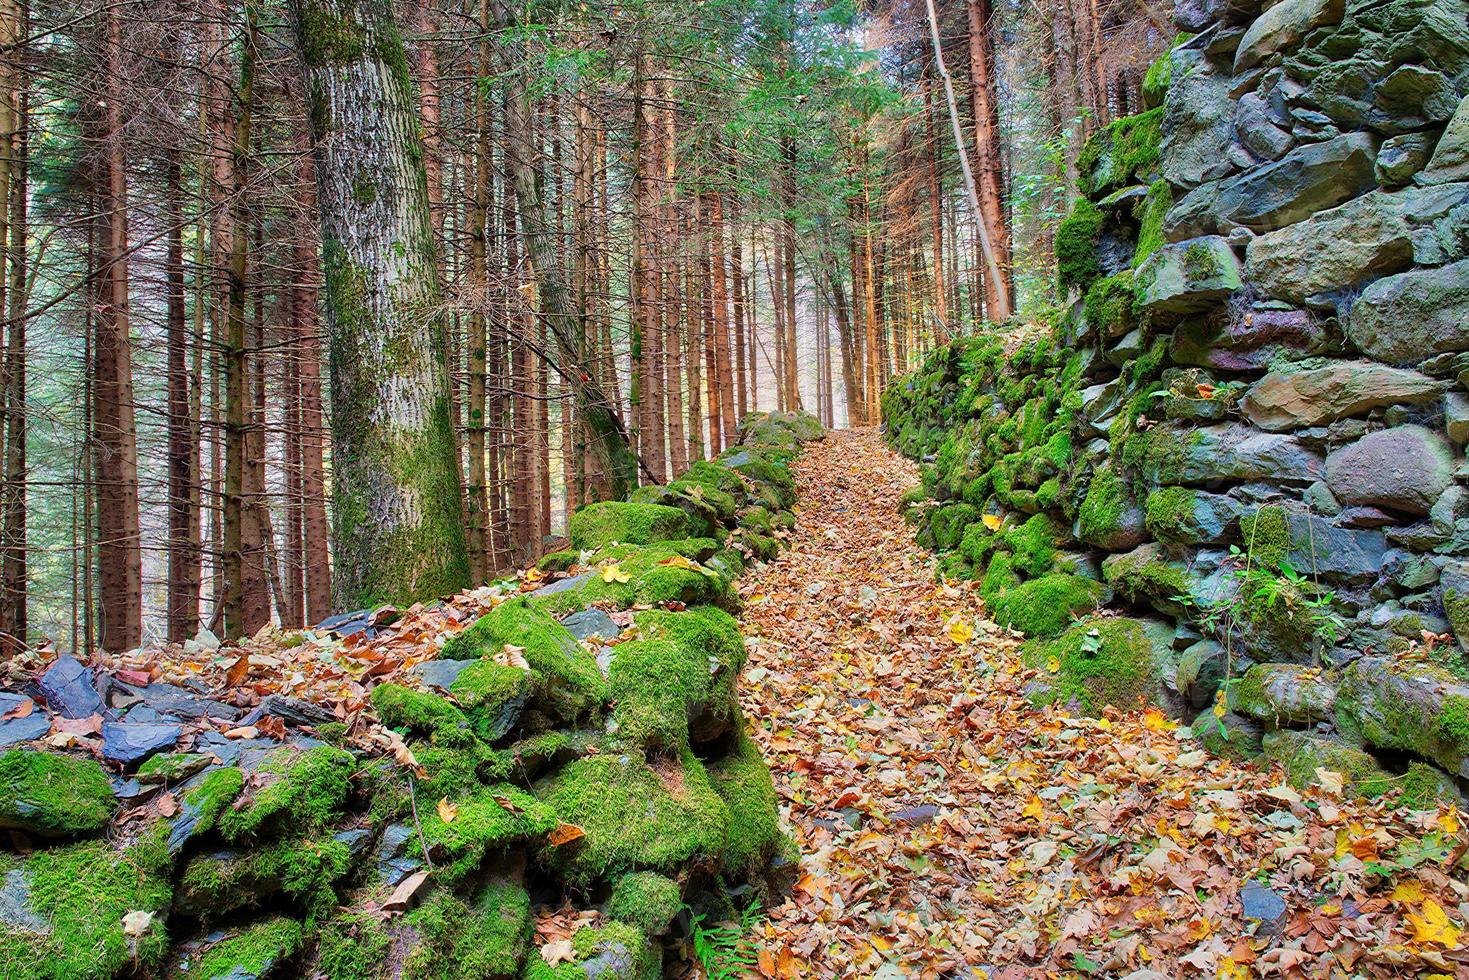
[(183, 452), (395, 482), (984, 98), (16, 562), (722, 365)]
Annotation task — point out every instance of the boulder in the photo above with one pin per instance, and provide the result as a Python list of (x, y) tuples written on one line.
[(1408, 706), (1188, 277), (68, 688), (1450, 159), (1200, 671), (1187, 516), (440, 673), (1404, 469), (1255, 127), (1308, 179), (53, 795), (1412, 97), (1297, 399), (1317, 545), (1456, 417), (1282, 28), (1197, 116), (1284, 693), (128, 742), (1302, 754), (1246, 339), (1401, 157), (1231, 452), (1454, 595), (1336, 251), (1413, 315)]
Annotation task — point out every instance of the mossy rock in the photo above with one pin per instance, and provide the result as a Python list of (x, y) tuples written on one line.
[(1109, 517), (804, 426), (690, 498), (353, 946), (622, 522), (1266, 536), (255, 952), (491, 695), (424, 713), (647, 900), (635, 817), (656, 686), (616, 951), (1101, 661), (754, 838), (1045, 606), (304, 870), (1076, 246), (1425, 787), (299, 793), (69, 922), (482, 821), (171, 768), (53, 795), (1230, 736), (1301, 754), (1125, 151), (1284, 694), (486, 938), (566, 676), (711, 637), (765, 467), (655, 577), (1413, 707), (1144, 576)]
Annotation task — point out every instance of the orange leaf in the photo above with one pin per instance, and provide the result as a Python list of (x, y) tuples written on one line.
[(565, 833), (447, 811)]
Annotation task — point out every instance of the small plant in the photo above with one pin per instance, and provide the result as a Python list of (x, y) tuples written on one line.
[(725, 950)]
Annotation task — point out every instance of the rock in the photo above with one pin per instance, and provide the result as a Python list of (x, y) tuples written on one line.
[(1454, 596), (1319, 546), (1295, 399), (1450, 159), (1255, 127), (1456, 417), (1277, 693), (1187, 516), (1310, 178), (1127, 348), (1411, 707), (173, 701), (16, 911), (915, 815), (398, 854), (1412, 97), (1302, 754), (1194, 214), (1187, 277), (69, 690), (127, 743), (1199, 672), (1230, 736), (1198, 114), (16, 730), (1412, 315), (1261, 905), (53, 795), (1283, 27), (1401, 157), (562, 585), (440, 673), (1246, 340), (1336, 251), (591, 624), (1404, 469), (1234, 452), (349, 623), (293, 711)]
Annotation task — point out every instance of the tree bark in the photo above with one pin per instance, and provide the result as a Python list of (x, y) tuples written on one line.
[(985, 102), (395, 481)]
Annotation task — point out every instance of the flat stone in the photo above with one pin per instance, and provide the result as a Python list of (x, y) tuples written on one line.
[(1188, 277), (1296, 399), (177, 702), (1397, 705), (398, 854), (69, 689), (1198, 114), (1277, 693), (293, 711), (128, 743), (1242, 452), (1255, 127), (350, 623), (16, 730), (1321, 547), (1456, 417), (1283, 27), (915, 815), (562, 585), (440, 674), (1264, 906), (1413, 315), (16, 910), (1246, 340), (1309, 178), (1403, 469), (1450, 161), (591, 624)]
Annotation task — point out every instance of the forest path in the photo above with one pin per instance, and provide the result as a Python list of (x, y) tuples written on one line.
[(950, 829)]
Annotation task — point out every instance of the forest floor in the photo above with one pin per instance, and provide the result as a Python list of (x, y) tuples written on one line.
[(948, 828)]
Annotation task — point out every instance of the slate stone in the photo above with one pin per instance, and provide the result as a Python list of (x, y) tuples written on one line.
[(1242, 452), (17, 730), (1403, 469), (1413, 315), (1211, 519), (1255, 128), (562, 585), (1309, 178), (1295, 399), (69, 689), (1264, 906), (915, 815), (16, 910), (440, 673), (1247, 339), (1401, 157), (1198, 114), (1283, 27), (1341, 554), (1450, 161), (398, 854), (1187, 277), (178, 702), (358, 842), (247, 753), (294, 711), (591, 624), (128, 743), (349, 623), (1456, 417), (1199, 672)]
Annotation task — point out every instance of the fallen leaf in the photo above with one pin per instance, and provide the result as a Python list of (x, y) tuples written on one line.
[(447, 811), (403, 894), (560, 951), (565, 833), (137, 923)]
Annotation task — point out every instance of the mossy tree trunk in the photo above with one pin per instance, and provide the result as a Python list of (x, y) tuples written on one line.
[(396, 530)]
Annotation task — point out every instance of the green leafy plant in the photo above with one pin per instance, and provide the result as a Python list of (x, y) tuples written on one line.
[(725, 949)]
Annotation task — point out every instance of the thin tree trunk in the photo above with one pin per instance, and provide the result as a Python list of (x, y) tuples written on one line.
[(15, 532), (989, 150), (183, 515), (722, 366)]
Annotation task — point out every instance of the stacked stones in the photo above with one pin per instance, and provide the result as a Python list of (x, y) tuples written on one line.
[(1248, 430), (553, 751)]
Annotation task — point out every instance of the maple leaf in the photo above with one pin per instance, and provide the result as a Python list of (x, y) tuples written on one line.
[(565, 833), (1155, 721), (1035, 809), (613, 573), (560, 951), (1448, 821), (1331, 782), (1433, 926)]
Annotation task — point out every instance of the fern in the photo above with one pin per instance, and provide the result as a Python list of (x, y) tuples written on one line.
[(725, 950)]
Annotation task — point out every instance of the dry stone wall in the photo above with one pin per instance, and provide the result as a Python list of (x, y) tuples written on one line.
[(1245, 433)]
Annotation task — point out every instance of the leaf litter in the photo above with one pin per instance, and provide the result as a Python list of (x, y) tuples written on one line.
[(949, 828)]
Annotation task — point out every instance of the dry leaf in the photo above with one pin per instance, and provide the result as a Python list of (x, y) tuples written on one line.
[(560, 951), (403, 894), (565, 833), (447, 811)]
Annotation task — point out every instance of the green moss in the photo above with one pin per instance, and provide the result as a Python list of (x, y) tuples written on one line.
[(568, 680), (352, 946), (1033, 545), (1452, 724), (422, 713), (1100, 662), (1044, 607), (302, 792), (1124, 151), (1424, 786), (455, 772), (621, 951), (614, 521), (1150, 213), (304, 870), (1157, 80), (710, 637), (253, 952), (646, 900), (459, 940), (978, 542), (206, 802), (743, 782), (1109, 304), (1301, 755), (999, 577), (1076, 246), (654, 578), (82, 891), (1230, 737), (482, 822), (490, 694), (1169, 508), (947, 524), (656, 684), (1199, 264), (172, 767), (1145, 577), (559, 561), (635, 817), (1100, 517), (52, 794)]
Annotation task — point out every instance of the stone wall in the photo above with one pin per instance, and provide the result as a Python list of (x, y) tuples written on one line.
[(1247, 430), (581, 745)]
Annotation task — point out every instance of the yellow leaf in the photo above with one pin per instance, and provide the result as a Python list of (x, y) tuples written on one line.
[(960, 631), (1219, 709), (1053, 664), (1410, 891), (1433, 926), (1034, 809), (880, 944), (614, 573), (1332, 782), (448, 811), (1230, 970), (677, 561), (1155, 721), (992, 521), (534, 574), (1449, 822)]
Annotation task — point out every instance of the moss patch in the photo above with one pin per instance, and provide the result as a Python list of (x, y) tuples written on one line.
[(1045, 606), (1076, 246), (52, 794), (303, 792), (490, 695), (743, 782), (1099, 662), (352, 946), (646, 900), (422, 713), (471, 940), (252, 953), (614, 521), (656, 685), (482, 822)]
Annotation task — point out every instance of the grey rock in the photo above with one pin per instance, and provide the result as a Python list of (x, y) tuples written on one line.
[(562, 585), (1451, 507), (1200, 672), (1198, 114), (1295, 399), (440, 673), (69, 689), (175, 701), (16, 910), (591, 624), (358, 842), (1365, 517), (1343, 554), (1256, 129), (1397, 704), (1413, 315), (1308, 179), (1127, 348), (1401, 157), (1210, 521), (16, 730), (1187, 277), (294, 711), (1454, 597), (128, 743), (398, 854), (1404, 468), (1240, 452), (1456, 417), (348, 623), (1246, 339), (1264, 906), (1409, 570), (1284, 693), (1283, 27), (1450, 159), (1411, 97), (1318, 497), (1194, 214)]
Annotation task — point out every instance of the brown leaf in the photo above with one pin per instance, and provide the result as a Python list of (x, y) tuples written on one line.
[(403, 894), (238, 671), (168, 805), (565, 833), (447, 811), (90, 725), (21, 710)]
